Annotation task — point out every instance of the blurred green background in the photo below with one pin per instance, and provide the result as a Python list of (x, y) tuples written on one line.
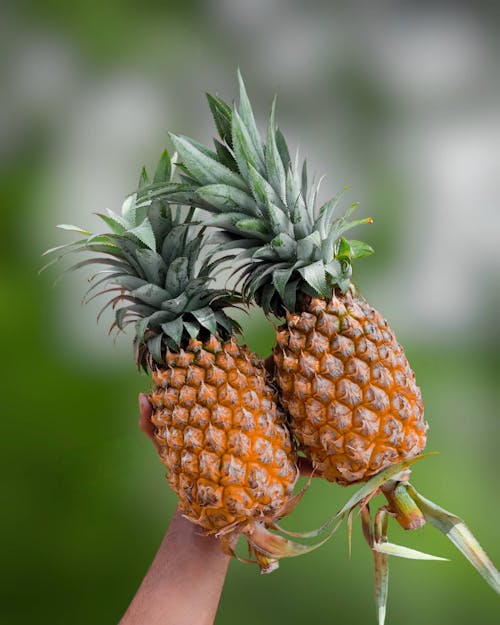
[(401, 103)]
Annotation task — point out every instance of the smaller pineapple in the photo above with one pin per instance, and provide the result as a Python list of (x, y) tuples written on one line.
[(352, 399), (218, 428)]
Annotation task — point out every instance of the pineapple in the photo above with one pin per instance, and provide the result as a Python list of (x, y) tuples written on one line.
[(351, 394), (353, 404), (218, 428)]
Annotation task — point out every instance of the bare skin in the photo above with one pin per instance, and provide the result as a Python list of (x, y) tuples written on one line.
[(184, 582)]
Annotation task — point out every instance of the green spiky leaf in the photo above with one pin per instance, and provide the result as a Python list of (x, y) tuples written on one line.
[(177, 276), (206, 317), (130, 282), (72, 228), (155, 347), (246, 113), (360, 249), (192, 328), (128, 210), (261, 189), (205, 169), (245, 151), (150, 294), (281, 278), (173, 329), (163, 169), (314, 275), (225, 198), (274, 164), (144, 232), (290, 295), (143, 179), (251, 226), (309, 248), (152, 264), (327, 211), (283, 149), (225, 156), (222, 115)]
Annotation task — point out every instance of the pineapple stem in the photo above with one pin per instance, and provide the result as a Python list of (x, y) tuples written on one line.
[(402, 506), (266, 564)]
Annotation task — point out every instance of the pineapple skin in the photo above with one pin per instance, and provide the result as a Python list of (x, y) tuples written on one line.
[(221, 435), (353, 402)]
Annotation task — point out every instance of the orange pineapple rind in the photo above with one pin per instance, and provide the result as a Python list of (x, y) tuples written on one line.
[(351, 395)]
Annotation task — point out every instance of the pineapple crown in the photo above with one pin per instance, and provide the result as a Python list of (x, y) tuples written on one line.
[(265, 210), (157, 270)]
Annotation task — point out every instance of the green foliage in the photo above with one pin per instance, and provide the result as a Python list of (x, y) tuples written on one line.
[(262, 200), (158, 270)]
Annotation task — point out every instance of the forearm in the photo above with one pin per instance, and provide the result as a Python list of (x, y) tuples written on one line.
[(185, 580)]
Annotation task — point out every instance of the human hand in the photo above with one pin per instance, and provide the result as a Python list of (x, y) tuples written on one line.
[(184, 582), (145, 412)]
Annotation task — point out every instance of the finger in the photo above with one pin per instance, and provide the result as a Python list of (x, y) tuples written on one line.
[(145, 407), (145, 424)]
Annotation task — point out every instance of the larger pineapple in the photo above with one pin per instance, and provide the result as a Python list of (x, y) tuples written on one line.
[(219, 430), (350, 392), (351, 395)]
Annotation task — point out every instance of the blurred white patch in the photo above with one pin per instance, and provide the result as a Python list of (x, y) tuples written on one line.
[(248, 13), (37, 74), (111, 127), (459, 186), (292, 44), (428, 56)]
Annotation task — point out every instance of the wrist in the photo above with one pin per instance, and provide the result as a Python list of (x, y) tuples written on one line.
[(191, 537)]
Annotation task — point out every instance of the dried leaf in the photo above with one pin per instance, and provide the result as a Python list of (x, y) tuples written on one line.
[(404, 552), (457, 531), (381, 562)]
